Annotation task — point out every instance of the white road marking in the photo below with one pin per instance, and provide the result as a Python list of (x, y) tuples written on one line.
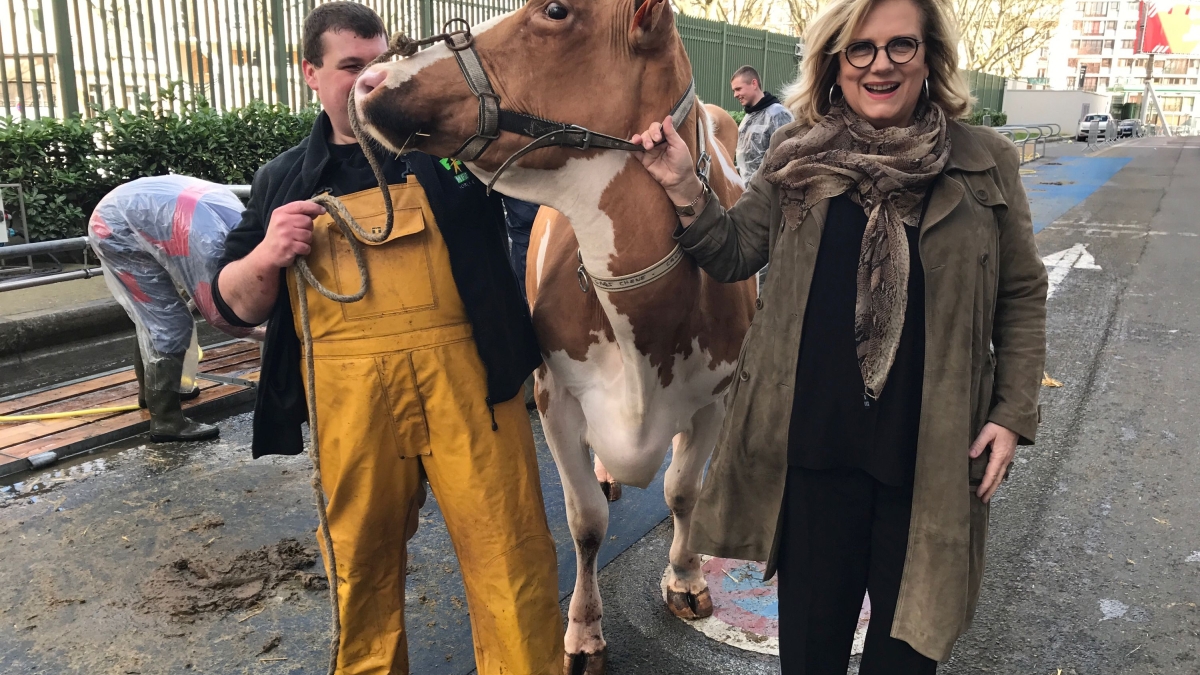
[(1060, 263)]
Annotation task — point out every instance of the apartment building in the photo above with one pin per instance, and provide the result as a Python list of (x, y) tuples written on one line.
[(1094, 49)]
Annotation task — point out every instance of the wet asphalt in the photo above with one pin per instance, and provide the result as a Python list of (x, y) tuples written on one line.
[(1094, 545)]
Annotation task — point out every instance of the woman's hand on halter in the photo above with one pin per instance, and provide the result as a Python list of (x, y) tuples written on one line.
[(669, 163), (1004, 447)]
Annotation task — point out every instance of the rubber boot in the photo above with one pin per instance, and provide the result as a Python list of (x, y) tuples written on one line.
[(139, 369), (167, 422)]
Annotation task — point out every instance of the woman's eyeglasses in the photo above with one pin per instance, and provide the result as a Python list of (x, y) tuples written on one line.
[(900, 50)]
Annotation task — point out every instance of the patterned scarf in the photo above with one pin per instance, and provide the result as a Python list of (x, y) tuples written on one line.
[(887, 172)]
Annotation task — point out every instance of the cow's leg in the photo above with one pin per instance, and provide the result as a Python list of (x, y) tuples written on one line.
[(610, 486), (587, 515), (684, 589)]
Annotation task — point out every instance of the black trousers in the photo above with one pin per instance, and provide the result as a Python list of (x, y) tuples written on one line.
[(843, 533)]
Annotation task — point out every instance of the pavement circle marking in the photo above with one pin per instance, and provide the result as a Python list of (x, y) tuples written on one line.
[(746, 609)]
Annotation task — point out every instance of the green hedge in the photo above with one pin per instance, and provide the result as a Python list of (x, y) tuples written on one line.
[(67, 166), (999, 118)]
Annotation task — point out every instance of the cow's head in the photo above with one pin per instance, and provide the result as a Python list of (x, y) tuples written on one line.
[(613, 66)]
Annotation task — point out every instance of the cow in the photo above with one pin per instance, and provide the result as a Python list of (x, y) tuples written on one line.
[(639, 344)]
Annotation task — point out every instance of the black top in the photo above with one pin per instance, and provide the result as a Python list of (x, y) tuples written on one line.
[(472, 225), (834, 424), (348, 171)]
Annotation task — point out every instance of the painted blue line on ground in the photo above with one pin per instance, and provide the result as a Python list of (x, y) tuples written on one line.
[(439, 634), (1060, 184)]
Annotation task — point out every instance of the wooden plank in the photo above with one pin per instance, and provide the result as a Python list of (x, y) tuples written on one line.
[(214, 358), (109, 423), (6, 462), (59, 393), (14, 433)]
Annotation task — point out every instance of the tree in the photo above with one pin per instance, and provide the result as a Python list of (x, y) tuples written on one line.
[(998, 35), (749, 13), (803, 11)]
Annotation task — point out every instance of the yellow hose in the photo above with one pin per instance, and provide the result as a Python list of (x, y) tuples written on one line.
[(69, 413)]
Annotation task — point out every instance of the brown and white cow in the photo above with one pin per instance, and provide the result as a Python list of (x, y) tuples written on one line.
[(626, 373)]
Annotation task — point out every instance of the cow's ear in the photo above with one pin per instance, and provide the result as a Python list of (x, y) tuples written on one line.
[(652, 23)]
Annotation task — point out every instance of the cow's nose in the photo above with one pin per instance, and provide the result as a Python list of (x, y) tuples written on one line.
[(369, 81)]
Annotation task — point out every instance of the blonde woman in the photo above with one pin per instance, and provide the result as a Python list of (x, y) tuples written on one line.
[(901, 333)]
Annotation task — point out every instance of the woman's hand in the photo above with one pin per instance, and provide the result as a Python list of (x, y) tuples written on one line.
[(1004, 446), (669, 163)]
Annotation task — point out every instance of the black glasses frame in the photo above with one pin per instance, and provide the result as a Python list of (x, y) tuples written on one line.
[(886, 48)]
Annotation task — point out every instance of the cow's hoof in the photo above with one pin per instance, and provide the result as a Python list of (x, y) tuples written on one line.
[(612, 490), (586, 664), (690, 606)]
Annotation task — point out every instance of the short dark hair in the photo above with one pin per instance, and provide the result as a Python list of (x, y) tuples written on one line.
[(338, 16), (747, 72)]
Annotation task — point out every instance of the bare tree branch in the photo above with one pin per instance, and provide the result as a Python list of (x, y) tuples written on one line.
[(998, 35)]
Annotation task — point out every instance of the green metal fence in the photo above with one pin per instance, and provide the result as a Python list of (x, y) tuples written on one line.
[(59, 57), (717, 49), (987, 89)]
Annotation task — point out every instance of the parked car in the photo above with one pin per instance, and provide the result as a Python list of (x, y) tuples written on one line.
[(1085, 126), (1130, 128)]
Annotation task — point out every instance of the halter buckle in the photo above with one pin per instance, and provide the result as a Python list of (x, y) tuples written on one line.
[(703, 166), (468, 40)]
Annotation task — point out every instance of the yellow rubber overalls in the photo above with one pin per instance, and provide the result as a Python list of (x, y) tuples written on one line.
[(401, 391)]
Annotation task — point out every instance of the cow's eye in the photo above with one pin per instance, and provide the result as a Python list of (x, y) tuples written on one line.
[(556, 11)]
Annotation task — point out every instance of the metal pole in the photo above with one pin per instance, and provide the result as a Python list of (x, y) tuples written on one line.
[(281, 64), (65, 58), (426, 18), (725, 95), (18, 284)]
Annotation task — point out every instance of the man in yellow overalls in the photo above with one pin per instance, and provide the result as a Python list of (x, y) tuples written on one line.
[(421, 378)]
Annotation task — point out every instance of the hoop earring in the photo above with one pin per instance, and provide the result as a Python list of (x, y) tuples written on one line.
[(833, 103), (927, 89)]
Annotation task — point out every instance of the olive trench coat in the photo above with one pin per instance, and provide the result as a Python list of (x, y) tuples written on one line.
[(985, 322)]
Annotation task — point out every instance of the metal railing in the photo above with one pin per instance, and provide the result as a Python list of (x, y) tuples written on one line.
[(1022, 135)]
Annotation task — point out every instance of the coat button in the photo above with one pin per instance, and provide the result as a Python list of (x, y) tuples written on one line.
[(744, 376), (983, 259), (982, 194), (758, 303)]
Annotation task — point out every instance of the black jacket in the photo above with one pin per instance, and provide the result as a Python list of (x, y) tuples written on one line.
[(472, 224)]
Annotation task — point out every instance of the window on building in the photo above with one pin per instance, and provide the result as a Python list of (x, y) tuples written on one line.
[(1108, 44), (1072, 63), (1126, 44), (1090, 46), (1112, 25), (1077, 26), (1140, 63), (1094, 8), (1041, 73), (1089, 84), (1189, 102), (1172, 104), (1176, 67), (1106, 63), (1091, 68), (1130, 25), (1093, 28), (1124, 63)]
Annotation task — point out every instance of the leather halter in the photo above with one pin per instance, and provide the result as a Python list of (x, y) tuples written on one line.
[(547, 133)]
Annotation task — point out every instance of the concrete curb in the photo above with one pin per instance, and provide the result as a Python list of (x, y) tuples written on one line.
[(34, 330)]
